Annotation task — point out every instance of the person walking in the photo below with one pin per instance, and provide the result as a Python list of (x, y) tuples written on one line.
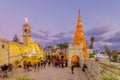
[(72, 68), (84, 67)]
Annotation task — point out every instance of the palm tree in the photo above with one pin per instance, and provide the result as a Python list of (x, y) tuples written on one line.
[(92, 39), (66, 47), (63, 47), (108, 52)]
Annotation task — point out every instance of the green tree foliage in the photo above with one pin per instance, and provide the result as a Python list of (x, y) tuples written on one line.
[(113, 55), (63, 46), (108, 52), (15, 38), (17, 62), (24, 78), (106, 78)]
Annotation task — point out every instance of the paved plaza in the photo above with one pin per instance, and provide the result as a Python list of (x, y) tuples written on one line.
[(49, 73)]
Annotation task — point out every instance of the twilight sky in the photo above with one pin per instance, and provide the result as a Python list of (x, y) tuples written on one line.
[(54, 21)]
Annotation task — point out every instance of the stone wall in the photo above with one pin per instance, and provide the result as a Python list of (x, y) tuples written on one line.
[(75, 50), (3, 51), (102, 68)]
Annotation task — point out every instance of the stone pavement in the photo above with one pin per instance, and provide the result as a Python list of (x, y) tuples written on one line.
[(50, 73)]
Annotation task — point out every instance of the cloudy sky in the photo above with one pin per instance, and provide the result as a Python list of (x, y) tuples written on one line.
[(54, 21)]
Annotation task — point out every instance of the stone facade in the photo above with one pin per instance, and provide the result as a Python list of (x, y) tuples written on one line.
[(11, 51), (75, 50), (3, 51), (102, 68)]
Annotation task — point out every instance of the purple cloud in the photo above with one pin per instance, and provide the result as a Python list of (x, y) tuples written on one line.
[(99, 32), (45, 38), (115, 38), (102, 36), (41, 34), (59, 35)]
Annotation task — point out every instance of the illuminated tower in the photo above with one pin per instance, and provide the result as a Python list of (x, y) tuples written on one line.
[(79, 36), (26, 33)]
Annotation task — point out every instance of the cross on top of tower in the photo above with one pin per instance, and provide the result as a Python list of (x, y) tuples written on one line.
[(26, 20)]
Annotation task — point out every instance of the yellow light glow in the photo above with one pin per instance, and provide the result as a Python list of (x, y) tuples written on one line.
[(26, 20), (75, 59), (80, 23), (29, 55)]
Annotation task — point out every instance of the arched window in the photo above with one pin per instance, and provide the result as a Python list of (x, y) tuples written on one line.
[(3, 46)]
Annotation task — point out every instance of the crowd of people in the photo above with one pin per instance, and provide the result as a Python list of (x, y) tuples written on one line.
[(35, 66), (4, 69), (28, 66)]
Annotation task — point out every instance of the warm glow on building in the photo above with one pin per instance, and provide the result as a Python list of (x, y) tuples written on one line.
[(22, 51)]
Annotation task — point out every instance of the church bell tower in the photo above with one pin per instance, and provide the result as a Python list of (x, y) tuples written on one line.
[(26, 33)]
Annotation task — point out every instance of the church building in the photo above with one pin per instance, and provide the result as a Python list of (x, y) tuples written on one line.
[(27, 50)]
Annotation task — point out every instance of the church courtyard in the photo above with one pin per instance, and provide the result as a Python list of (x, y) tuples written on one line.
[(48, 73)]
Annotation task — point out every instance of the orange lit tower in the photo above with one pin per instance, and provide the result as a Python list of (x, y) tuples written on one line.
[(79, 37)]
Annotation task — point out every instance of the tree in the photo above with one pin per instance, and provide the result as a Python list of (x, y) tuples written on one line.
[(15, 38), (92, 39), (114, 56), (17, 62), (108, 52), (60, 46), (63, 46)]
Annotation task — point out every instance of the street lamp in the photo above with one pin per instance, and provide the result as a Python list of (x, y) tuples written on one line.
[(8, 53)]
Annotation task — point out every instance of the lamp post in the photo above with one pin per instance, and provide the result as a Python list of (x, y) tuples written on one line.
[(8, 53)]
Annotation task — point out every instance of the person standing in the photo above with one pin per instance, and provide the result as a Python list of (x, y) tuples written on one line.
[(35, 66), (49, 63), (25, 65), (44, 63), (38, 66), (4, 70)]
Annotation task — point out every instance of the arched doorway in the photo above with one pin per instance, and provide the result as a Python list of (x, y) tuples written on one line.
[(75, 60)]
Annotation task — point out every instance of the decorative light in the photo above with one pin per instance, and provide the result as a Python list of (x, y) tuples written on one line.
[(80, 23), (29, 55)]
